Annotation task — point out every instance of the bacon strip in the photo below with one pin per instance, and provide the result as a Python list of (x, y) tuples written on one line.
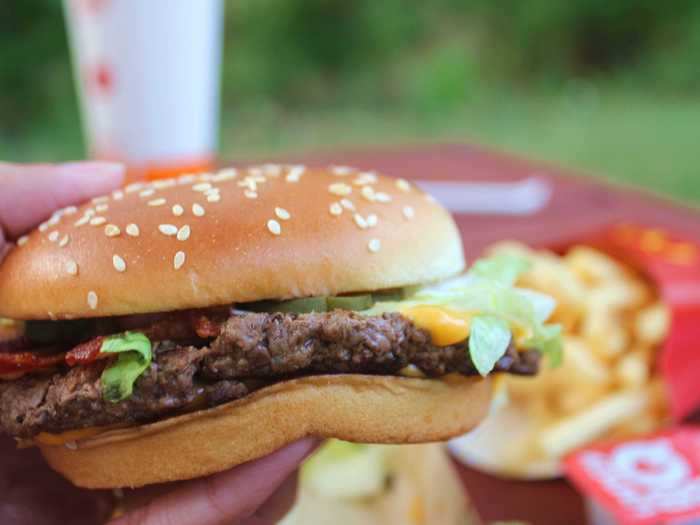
[(15, 357), (26, 361), (85, 353)]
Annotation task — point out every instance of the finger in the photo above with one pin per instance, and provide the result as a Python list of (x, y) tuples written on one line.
[(30, 193), (225, 497), (278, 505)]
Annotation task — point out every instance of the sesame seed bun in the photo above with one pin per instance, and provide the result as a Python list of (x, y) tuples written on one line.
[(234, 236), (359, 408)]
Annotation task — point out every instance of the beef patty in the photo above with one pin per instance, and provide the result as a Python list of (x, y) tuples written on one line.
[(250, 351)]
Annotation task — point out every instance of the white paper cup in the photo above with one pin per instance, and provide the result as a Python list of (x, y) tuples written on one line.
[(148, 74)]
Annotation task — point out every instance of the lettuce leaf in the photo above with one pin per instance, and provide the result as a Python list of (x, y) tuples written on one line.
[(487, 289), (501, 268), (135, 356), (488, 341)]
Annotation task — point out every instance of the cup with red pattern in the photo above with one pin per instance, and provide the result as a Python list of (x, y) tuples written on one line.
[(148, 78)]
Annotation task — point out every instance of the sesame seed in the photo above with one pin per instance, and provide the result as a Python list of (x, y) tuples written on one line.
[(167, 229), (360, 221), (214, 197), (197, 210), (368, 192), (178, 210), (255, 171), (118, 195), (250, 194), (201, 186), (408, 212), (205, 176), (92, 299), (186, 178), (225, 174), (382, 197), (133, 230), (98, 200), (147, 192), (257, 178), (365, 178), (247, 183), (183, 233), (82, 221), (54, 220), (89, 212), (295, 173), (340, 188), (43, 226), (134, 186), (96, 221), (71, 445), (341, 170), (70, 210), (403, 185), (282, 214), (163, 183), (372, 220), (101, 208), (347, 204), (178, 260), (119, 263), (64, 241), (22, 240), (212, 191), (112, 230), (51, 315), (335, 208), (274, 227), (72, 267), (374, 245), (53, 236), (157, 202)]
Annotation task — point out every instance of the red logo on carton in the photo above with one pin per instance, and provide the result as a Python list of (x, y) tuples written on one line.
[(645, 481)]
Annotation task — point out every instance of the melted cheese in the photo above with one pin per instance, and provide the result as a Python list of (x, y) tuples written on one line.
[(448, 327), (445, 326)]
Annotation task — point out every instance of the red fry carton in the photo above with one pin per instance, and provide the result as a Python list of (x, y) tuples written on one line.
[(673, 264), (650, 480)]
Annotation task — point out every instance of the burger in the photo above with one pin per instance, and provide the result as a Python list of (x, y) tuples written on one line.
[(178, 328)]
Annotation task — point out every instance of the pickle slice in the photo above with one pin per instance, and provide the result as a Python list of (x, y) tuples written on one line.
[(49, 332), (350, 302), (296, 306), (390, 295)]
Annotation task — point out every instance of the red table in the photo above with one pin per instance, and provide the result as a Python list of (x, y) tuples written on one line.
[(578, 205)]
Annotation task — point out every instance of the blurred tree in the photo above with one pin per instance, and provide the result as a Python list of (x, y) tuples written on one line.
[(34, 63)]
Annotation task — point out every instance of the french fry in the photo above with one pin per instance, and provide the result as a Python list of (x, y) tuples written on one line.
[(652, 323), (632, 370), (575, 431), (593, 266)]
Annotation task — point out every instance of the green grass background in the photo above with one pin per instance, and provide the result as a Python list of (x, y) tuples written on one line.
[(610, 88)]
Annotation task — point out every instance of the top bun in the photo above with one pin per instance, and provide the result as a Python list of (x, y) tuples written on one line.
[(265, 232)]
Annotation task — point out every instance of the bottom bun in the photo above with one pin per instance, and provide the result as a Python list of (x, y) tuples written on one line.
[(359, 408)]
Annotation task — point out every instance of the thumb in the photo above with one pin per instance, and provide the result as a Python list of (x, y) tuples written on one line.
[(30, 193)]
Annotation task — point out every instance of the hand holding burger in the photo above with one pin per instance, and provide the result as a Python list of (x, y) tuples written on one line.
[(261, 491)]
